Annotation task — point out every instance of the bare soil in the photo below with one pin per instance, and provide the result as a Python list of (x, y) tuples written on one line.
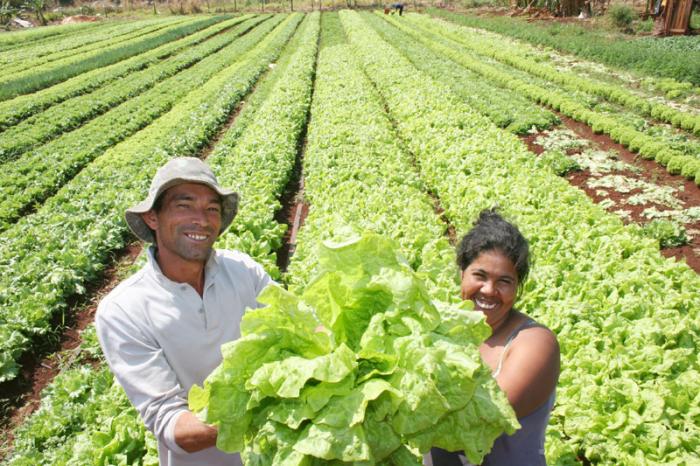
[(651, 172)]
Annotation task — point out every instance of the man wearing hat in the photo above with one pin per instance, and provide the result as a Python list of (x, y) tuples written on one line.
[(161, 329)]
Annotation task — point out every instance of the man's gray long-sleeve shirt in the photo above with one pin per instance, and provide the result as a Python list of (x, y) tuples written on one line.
[(160, 338)]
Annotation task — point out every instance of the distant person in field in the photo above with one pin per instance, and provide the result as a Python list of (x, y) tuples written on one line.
[(398, 7), (161, 329), (523, 355)]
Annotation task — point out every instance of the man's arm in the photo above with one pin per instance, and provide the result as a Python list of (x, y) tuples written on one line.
[(193, 435), (140, 367)]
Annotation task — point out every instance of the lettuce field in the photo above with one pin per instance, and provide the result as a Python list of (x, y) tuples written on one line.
[(336, 124)]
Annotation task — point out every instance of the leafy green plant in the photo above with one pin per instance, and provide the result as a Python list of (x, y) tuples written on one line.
[(622, 16), (37, 7), (669, 234), (558, 162), (7, 12)]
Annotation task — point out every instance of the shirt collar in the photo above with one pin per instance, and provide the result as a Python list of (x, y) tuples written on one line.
[(210, 269)]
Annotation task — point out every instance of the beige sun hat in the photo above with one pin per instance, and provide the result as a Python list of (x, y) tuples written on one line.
[(178, 171)]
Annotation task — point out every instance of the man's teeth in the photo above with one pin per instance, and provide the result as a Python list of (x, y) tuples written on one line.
[(197, 237)]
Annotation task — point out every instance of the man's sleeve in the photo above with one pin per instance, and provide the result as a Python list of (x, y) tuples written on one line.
[(140, 367), (262, 278)]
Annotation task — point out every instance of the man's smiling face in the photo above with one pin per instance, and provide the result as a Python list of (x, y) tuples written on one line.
[(187, 223)]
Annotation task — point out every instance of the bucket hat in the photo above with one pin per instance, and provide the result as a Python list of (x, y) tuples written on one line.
[(178, 171)]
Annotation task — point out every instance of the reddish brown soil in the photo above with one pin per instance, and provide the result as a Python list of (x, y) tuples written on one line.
[(293, 213), (296, 215), (37, 373), (440, 212), (651, 172)]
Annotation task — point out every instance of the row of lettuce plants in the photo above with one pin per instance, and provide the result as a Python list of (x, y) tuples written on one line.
[(261, 161), (626, 318), (84, 416), (40, 173), (34, 79), (520, 56), (76, 424), (65, 38), (356, 175), (633, 54), (49, 256), (17, 109), (505, 108), (72, 113), (637, 141), (30, 57), (35, 36)]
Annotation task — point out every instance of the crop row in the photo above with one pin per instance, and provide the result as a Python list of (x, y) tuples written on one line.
[(72, 113), (15, 110), (647, 146), (31, 57), (51, 73), (260, 162), (357, 176), (48, 256), (38, 174), (84, 418), (36, 36), (631, 54), (505, 108), (54, 39), (520, 56), (625, 316), (67, 37)]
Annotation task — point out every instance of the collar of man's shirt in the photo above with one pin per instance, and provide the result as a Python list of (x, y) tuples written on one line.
[(210, 270)]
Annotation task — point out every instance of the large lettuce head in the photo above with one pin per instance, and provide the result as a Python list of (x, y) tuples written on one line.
[(361, 368)]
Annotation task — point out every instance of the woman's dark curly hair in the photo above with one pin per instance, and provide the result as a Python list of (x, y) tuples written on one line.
[(492, 232)]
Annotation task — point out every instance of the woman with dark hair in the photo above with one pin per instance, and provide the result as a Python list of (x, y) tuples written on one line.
[(523, 355)]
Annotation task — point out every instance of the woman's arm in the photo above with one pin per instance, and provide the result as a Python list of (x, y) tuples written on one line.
[(530, 369)]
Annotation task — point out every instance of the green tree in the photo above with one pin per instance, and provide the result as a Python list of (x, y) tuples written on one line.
[(37, 7), (7, 11)]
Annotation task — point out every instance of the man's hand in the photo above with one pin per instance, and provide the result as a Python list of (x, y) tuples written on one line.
[(193, 435)]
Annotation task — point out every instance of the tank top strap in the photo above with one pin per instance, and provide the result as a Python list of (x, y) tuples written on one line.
[(527, 324)]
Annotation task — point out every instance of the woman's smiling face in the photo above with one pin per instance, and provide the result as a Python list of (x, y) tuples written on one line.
[(491, 282)]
